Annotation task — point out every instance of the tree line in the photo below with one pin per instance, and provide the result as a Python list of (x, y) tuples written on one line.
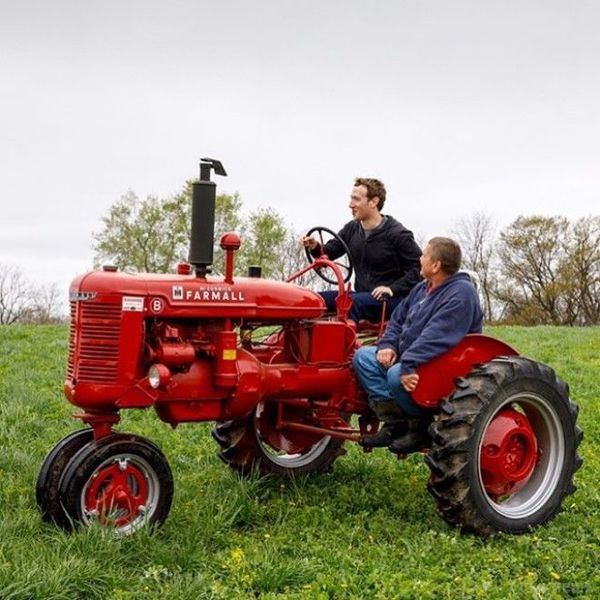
[(539, 270), (22, 301), (152, 235)]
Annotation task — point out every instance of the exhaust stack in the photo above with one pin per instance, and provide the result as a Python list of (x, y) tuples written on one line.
[(202, 237)]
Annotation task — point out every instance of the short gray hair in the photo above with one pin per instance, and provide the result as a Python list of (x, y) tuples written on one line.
[(448, 252)]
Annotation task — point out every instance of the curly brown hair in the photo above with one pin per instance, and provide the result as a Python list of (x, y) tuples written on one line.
[(374, 188)]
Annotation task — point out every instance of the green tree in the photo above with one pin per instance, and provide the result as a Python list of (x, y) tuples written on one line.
[(293, 258), (263, 242), (228, 217), (140, 235), (152, 235)]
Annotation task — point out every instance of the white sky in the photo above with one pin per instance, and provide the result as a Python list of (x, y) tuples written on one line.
[(458, 106)]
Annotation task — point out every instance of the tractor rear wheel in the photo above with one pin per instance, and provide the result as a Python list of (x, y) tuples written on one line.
[(504, 449), (255, 445), (122, 482), (46, 487)]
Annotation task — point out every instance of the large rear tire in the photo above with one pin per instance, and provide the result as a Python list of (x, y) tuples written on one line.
[(504, 449), (255, 445)]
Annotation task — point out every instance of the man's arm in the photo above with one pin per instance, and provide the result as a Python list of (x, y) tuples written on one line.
[(446, 328), (408, 254), (333, 248)]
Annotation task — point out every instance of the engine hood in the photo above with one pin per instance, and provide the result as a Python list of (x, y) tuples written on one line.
[(187, 296)]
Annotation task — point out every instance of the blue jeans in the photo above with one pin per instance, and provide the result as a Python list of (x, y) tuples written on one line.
[(382, 384), (364, 306)]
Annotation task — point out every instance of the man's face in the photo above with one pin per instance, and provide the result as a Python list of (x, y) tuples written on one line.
[(361, 206), (429, 267)]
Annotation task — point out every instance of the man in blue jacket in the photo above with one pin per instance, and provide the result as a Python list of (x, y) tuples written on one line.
[(433, 318), (384, 253)]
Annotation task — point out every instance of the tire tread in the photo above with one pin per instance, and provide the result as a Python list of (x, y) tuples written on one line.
[(453, 436)]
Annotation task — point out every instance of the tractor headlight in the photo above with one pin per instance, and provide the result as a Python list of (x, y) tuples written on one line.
[(158, 376)]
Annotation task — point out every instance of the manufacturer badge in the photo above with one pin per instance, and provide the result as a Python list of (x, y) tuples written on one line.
[(132, 304)]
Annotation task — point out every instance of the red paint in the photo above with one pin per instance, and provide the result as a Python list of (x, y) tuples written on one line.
[(230, 242), (101, 423), (436, 378), (117, 493), (115, 338), (509, 453)]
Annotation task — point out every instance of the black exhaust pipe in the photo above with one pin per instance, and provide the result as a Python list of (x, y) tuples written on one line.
[(202, 236)]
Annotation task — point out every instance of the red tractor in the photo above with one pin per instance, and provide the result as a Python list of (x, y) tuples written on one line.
[(504, 441)]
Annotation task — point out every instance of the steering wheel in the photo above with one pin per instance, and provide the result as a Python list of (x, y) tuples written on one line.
[(345, 264)]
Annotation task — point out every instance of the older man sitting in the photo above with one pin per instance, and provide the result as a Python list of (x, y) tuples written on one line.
[(434, 317)]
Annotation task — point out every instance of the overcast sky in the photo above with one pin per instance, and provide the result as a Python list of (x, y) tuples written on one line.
[(458, 106)]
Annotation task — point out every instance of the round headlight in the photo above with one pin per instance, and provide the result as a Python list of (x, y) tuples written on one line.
[(158, 376)]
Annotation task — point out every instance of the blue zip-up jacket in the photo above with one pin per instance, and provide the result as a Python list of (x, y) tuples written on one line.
[(428, 323)]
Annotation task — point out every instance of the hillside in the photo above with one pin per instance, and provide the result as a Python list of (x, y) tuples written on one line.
[(367, 530)]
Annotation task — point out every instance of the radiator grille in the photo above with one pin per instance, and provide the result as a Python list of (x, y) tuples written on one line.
[(70, 362), (97, 348)]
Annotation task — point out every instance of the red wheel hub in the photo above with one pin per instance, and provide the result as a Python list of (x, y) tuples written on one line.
[(117, 494), (509, 453)]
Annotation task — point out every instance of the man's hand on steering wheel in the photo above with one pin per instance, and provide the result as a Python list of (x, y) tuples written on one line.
[(310, 244)]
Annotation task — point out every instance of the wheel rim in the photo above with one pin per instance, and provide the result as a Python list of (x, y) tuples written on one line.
[(122, 494), (293, 461), (281, 449), (537, 481)]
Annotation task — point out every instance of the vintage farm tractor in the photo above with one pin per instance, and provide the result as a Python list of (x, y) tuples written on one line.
[(504, 440)]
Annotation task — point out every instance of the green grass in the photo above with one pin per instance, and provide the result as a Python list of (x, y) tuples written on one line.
[(367, 530)]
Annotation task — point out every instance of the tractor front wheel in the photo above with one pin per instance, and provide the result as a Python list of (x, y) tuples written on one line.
[(46, 487), (255, 444), (122, 482), (504, 449)]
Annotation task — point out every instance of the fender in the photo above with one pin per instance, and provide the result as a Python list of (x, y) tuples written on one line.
[(436, 378)]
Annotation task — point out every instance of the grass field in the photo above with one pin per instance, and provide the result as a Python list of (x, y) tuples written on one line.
[(367, 530)]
